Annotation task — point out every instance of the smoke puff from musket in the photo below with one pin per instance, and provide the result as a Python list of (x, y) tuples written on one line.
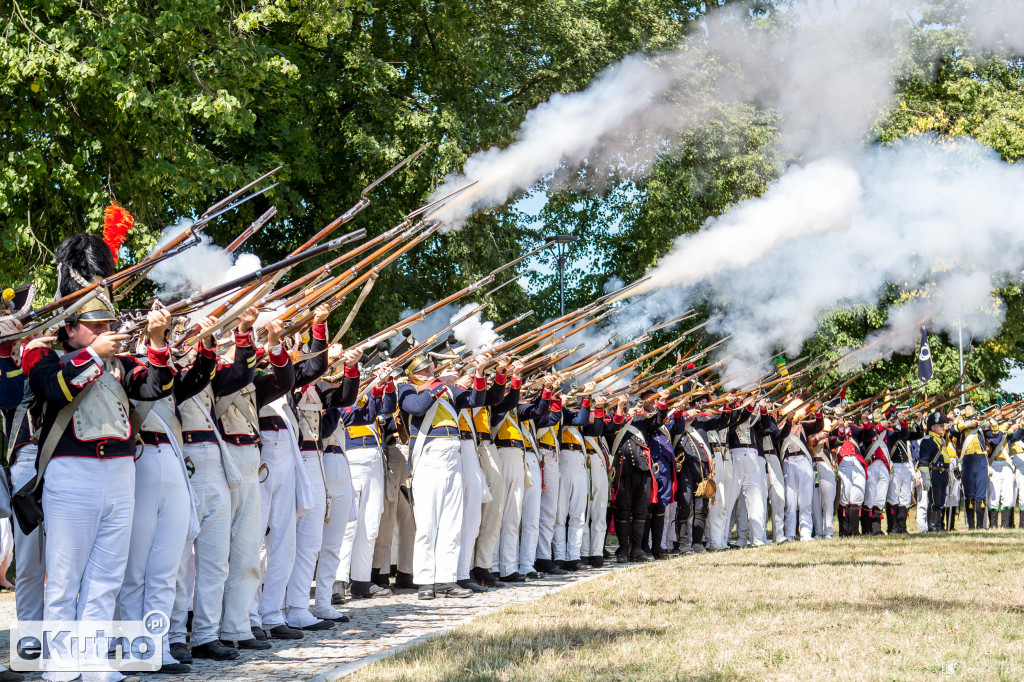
[(203, 265), (943, 221)]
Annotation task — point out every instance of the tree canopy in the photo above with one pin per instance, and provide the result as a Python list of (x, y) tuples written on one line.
[(166, 105)]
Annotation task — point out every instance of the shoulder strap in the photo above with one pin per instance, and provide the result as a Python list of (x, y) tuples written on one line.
[(167, 416), (19, 416), (60, 424), (626, 428), (421, 437)]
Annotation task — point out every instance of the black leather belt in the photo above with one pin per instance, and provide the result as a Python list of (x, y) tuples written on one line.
[(361, 442), (199, 437), (310, 445), (273, 424), (155, 438), (572, 446), (242, 440), (333, 450), (507, 443)]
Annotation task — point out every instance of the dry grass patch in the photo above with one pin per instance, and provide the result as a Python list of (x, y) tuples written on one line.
[(893, 608)]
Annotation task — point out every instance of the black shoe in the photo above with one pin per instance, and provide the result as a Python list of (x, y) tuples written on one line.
[(621, 559), (596, 561), (513, 578), (451, 590), (282, 631), (12, 676), (575, 565), (377, 579), (317, 626), (259, 633), (533, 575), (403, 581), (641, 558), (659, 556), (337, 599), (472, 585), (180, 652), (548, 566), (369, 590), (214, 651), (341, 618), (252, 644), (486, 578), (426, 592), (698, 549), (168, 669)]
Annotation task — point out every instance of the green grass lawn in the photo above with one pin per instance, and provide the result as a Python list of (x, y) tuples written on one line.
[(882, 608)]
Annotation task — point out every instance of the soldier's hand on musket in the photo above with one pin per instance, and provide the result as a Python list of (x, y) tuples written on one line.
[(205, 326), (107, 344), (157, 323), (275, 329), (352, 357), (517, 368), (621, 404), (552, 380), (382, 372), (247, 319), (503, 362), (321, 313), (36, 342), (334, 352), (10, 325), (480, 362), (598, 401), (663, 394), (588, 388)]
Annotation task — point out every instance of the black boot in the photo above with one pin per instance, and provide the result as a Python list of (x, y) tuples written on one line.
[(933, 520), (993, 518), (853, 519), (657, 531), (890, 518), (866, 516), (954, 512), (1020, 521), (1007, 518), (969, 514), (622, 527), (876, 520), (901, 520), (699, 523), (1013, 521), (636, 538), (844, 527)]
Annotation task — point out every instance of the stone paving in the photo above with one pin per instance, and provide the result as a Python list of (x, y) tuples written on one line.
[(376, 625)]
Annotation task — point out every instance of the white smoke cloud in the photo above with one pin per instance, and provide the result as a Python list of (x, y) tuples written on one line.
[(203, 265)]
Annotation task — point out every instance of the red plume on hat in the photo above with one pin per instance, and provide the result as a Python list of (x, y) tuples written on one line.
[(116, 223)]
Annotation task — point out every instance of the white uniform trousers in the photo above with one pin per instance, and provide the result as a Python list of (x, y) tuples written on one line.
[(367, 470), (776, 495), (309, 535), (437, 508), (595, 526), (573, 494), (397, 515), (1002, 483), (211, 549), (28, 549), (472, 505), (277, 527), (530, 524), (513, 473), (549, 496), (877, 487), (490, 513), (851, 475), (922, 507), (339, 489), (955, 489), (748, 474), (246, 539), (901, 485), (88, 504), (1018, 462), (719, 512), (799, 496), (159, 532)]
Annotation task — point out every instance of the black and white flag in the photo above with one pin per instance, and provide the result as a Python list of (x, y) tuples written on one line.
[(924, 359)]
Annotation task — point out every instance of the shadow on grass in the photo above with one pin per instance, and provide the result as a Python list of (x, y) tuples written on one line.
[(810, 563), (475, 656)]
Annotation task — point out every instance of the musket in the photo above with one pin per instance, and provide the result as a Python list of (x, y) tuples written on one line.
[(528, 313), (228, 203), (216, 292), (255, 227), (364, 201)]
